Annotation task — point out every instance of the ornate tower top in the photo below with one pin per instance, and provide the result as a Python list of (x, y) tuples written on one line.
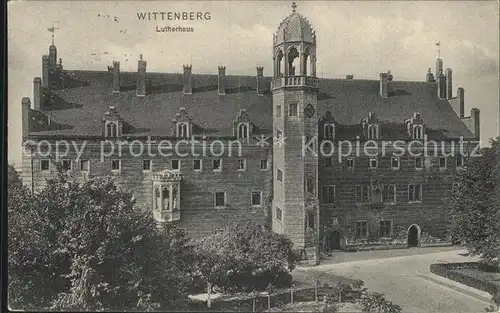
[(295, 28)]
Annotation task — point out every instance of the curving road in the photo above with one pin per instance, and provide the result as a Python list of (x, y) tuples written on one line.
[(407, 281)]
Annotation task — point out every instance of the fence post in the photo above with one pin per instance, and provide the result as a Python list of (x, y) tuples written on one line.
[(291, 293), (254, 295), (316, 290)]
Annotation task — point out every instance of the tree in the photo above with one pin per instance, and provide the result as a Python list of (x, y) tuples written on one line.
[(245, 256), (13, 179), (474, 206), (374, 302), (85, 246)]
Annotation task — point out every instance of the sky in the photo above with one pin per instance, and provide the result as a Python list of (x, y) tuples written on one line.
[(359, 38)]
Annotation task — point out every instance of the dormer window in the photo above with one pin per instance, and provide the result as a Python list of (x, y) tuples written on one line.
[(329, 131), (418, 132), (111, 129), (373, 132), (183, 130), (243, 131)]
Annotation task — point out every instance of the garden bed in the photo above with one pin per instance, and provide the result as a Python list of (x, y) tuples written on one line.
[(472, 274)]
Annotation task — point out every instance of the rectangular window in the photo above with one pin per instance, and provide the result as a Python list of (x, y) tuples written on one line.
[(278, 111), (44, 165), (217, 163), (395, 163), (389, 194), (293, 109), (442, 163), (373, 162), (146, 165), (279, 214), (310, 185), (84, 165), (419, 163), (256, 198), (459, 161), (350, 162), (197, 165), (176, 164), (263, 165), (115, 165), (279, 175), (361, 229), (362, 193), (328, 194), (385, 229), (414, 192), (310, 219), (66, 165), (328, 162), (241, 164), (220, 199)]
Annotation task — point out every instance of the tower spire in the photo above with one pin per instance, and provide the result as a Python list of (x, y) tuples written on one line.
[(438, 45), (294, 6), (52, 30)]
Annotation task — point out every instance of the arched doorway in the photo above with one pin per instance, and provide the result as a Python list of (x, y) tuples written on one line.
[(334, 240), (413, 236)]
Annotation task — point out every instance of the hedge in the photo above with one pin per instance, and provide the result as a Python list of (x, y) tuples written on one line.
[(448, 270)]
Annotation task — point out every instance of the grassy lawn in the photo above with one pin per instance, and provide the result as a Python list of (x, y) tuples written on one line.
[(303, 278), (313, 307), (482, 275)]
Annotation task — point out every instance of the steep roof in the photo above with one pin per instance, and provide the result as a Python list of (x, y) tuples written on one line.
[(79, 110)]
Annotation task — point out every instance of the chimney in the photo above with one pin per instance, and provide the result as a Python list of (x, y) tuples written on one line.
[(45, 71), (260, 81), (383, 85), (439, 66), (389, 76), (141, 77), (474, 115), (461, 101), (441, 86), (116, 76), (37, 105), (449, 90), (222, 80), (26, 107), (429, 77), (187, 81)]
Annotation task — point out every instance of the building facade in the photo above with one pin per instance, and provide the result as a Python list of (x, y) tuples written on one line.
[(287, 151)]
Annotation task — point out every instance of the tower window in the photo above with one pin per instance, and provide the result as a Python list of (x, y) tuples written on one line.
[(111, 129), (292, 110), (278, 111), (395, 163), (263, 165), (310, 185), (146, 165), (419, 163), (279, 214), (350, 162), (279, 175), (329, 131), (373, 162), (243, 131), (310, 219), (115, 165)]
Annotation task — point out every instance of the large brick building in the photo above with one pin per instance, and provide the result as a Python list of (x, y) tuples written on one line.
[(318, 200)]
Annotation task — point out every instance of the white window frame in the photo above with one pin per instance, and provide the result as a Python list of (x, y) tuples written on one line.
[(367, 193), (356, 228), (370, 163), (201, 165), (296, 109), (113, 129), (393, 200), (178, 165), (81, 162), (462, 162), (278, 111), (215, 199), (373, 132), (220, 165), (420, 196), (420, 134), (445, 163), (276, 209), (182, 130), (241, 161), (260, 198), (150, 165), (278, 170), (243, 131), (353, 163)]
